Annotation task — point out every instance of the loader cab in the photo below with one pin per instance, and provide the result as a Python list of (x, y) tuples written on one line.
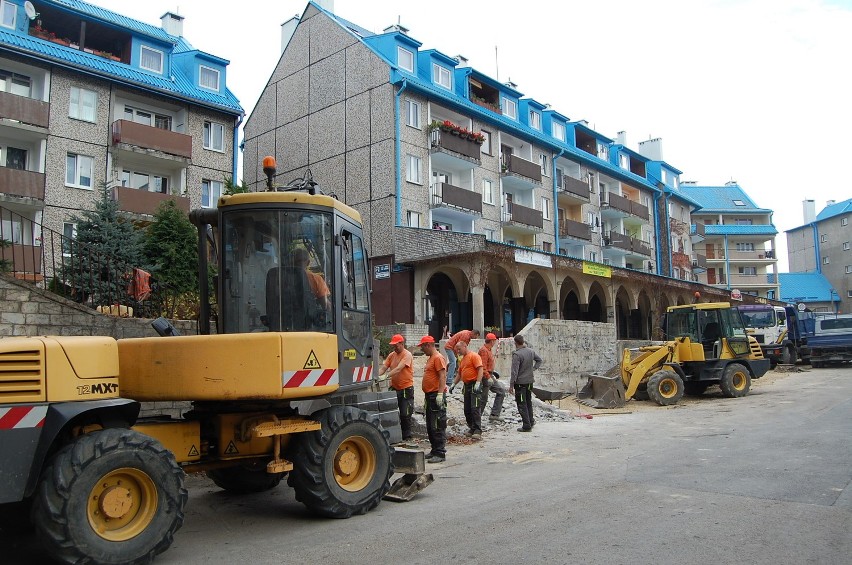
[(717, 327)]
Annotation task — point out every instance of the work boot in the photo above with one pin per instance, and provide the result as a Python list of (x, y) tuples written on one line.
[(524, 429), (435, 459), (468, 433), (493, 418), (476, 435)]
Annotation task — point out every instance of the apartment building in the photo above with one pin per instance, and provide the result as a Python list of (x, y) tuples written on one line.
[(482, 207), (90, 97), (739, 240), (822, 246)]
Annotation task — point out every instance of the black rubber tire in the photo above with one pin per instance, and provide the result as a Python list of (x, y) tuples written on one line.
[(788, 356), (665, 388), (60, 507), (695, 388), (245, 479), (736, 381), (314, 454)]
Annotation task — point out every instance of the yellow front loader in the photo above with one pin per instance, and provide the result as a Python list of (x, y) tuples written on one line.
[(708, 345)]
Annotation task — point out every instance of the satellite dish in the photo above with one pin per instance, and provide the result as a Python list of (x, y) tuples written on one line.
[(30, 10)]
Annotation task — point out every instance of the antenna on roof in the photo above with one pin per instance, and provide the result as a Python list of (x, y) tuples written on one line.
[(496, 66)]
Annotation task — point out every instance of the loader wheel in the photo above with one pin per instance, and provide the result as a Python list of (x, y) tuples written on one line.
[(343, 468), (112, 496), (736, 381), (245, 479), (665, 388)]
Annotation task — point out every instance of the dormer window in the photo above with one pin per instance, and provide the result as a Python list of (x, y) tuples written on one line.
[(151, 59), (208, 78), (624, 161), (739, 203), (559, 131), (8, 14), (510, 108), (603, 152), (405, 59), (665, 176), (441, 76), (535, 120)]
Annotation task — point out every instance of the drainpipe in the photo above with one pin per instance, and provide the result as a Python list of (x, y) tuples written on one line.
[(668, 223), (236, 139), (728, 262), (398, 144), (816, 248), (657, 228), (555, 196)]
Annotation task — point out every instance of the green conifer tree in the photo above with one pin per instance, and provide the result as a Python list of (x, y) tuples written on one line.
[(171, 249)]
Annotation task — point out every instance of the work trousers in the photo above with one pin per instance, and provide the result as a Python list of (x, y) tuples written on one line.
[(436, 423), (405, 400), (523, 397), (471, 408), (451, 366), (496, 387)]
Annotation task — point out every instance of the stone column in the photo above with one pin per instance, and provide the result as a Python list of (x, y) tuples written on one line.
[(478, 294)]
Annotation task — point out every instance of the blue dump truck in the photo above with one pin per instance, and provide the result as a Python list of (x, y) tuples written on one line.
[(831, 341)]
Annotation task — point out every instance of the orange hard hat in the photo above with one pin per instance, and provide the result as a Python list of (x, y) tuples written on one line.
[(426, 339), (397, 338), (490, 336)]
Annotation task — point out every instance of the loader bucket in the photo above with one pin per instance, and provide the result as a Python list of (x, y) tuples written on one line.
[(602, 391)]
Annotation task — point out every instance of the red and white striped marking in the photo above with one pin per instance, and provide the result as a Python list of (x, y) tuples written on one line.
[(361, 374), (310, 377), (19, 417)]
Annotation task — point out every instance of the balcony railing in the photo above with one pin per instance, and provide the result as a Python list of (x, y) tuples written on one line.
[(576, 230), (696, 231), (627, 243), (523, 215), (761, 279), (576, 187), (26, 184), (446, 194), (757, 256), (626, 205), (699, 263), (512, 164), (137, 201), (23, 109), (451, 142), (148, 137)]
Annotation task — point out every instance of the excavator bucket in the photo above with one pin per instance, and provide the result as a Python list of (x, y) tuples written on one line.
[(603, 391)]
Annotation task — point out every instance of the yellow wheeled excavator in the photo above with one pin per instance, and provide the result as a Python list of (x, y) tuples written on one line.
[(707, 345)]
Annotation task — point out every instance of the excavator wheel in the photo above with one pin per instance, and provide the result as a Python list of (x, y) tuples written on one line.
[(343, 468), (245, 479), (112, 496), (736, 381), (665, 387)]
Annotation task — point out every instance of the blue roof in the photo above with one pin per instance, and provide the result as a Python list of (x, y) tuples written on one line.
[(729, 229), (835, 210), (180, 85), (721, 199), (806, 287)]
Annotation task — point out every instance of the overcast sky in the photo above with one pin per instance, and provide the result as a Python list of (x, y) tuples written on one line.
[(756, 91)]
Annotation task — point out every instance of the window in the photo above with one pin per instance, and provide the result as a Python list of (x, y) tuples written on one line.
[(558, 131), (739, 203), (545, 208), (151, 59), (487, 191), (147, 117), (412, 174), (15, 83), (83, 104), (441, 76), (214, 136), (745, 247), (486, 145), (848, 269), (749, 271), (559, 174), (547, 247), (849, 294), (823, 238), (535, 120), (145, 181), (163, 122), (412, 110), (623, 161), (69, 233), (211, 190), (208, 78), (510, 109), (664, 176), (603, 152), (405, 59), (542, 159), (356, 314), (489, 234), (412, 219), (78, 170), (826, 261), (8, 14), (845, 246), (844, 221), (14, 158)]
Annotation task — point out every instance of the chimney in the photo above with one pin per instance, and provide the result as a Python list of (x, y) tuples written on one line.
[(621, 138), (511, 84), (172, 24), (652, 149), (462, 61), (809, 211), (830, 203), (288, 28), (396, 27)]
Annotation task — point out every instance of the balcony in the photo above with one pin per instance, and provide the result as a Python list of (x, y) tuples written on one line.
[(521, 215), (137, 201), (620, 207), (699, 264), (519, 173), (148, 137), (445, 194), (25, 184), (569, 229), (759, 280), (25, 110), (696, 233), (758, 256), (574, 189), (454, 146), (627, 244)]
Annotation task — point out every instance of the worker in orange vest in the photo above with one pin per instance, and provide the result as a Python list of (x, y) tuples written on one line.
[(470, 373), (399, 364)]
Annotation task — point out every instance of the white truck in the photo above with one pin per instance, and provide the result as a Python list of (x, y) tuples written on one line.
[(781, 331)]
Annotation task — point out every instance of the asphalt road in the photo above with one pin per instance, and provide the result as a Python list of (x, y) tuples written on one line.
[(760, 479)]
